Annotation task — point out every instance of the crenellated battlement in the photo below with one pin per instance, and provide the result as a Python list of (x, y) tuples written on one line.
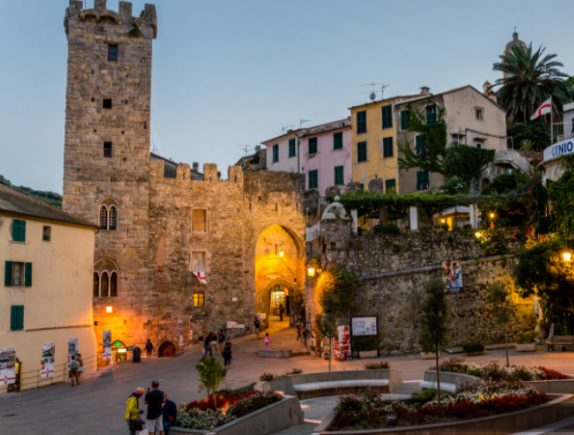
[(101, 14)]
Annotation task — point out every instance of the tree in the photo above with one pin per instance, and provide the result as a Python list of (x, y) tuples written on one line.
[(561, 195), (535, 131), (327, 323), (211, 375), (434, 327), (530, 79), (501, 300)]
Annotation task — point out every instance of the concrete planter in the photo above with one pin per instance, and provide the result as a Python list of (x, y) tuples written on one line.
[(482, 352), (274, 354), (369, 354), (526, 347), (426, 355)]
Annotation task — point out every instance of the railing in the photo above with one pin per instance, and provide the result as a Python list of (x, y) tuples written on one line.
[(33, 378)]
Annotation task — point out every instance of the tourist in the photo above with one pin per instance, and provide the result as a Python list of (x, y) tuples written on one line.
[(267, 340), (257, 325), (74, 366), (215, 343), (299, 331), (169, 413), (207, 346), (81, 363), (148, 348), (220, 340), (154, 401), (281, 311), (227, 354), (133, 409)]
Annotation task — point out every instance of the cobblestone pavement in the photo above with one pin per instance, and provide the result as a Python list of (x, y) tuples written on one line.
[(97, 406)]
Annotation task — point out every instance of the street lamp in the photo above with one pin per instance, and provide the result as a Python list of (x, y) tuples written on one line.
[(108, 309), (311, 271), (566, 256), (477, 234), (280, 253)]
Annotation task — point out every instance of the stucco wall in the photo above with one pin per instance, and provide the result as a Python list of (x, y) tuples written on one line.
[(285, 163)]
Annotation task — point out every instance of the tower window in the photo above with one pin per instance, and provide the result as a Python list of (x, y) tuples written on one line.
[(107, 149), (479, 114), (47, 234), (107, 103), (112, 53), (199, 221), (198, 299)]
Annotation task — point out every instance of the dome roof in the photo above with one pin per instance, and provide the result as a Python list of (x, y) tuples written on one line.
[(335, 211), (515, 42)]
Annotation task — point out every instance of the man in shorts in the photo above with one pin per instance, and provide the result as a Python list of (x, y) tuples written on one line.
[(154, 401)]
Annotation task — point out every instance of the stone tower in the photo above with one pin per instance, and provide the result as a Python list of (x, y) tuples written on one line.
[(107, 154)]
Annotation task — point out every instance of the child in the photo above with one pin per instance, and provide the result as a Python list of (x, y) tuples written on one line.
[(267, 340), (226, 354)]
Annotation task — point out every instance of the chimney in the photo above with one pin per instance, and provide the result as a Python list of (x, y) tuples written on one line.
[(425, 90), (486, 88), (195, 166), (492, 96)]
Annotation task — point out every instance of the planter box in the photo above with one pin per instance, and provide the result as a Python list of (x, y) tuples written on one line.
[(425, 355), (482, 352), (527, 347), (369, 354)]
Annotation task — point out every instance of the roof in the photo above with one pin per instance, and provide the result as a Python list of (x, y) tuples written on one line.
[(397, 97), (289, 132), (568, 107), (329, 126), (429, 96), (158, 157), (16, 202), (515, 42)]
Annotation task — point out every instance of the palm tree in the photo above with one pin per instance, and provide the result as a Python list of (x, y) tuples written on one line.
[(530, 79)]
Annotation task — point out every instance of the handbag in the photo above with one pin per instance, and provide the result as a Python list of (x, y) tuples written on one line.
[(137, 423)]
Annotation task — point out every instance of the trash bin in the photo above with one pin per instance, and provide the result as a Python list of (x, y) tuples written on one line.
[(137, 355)]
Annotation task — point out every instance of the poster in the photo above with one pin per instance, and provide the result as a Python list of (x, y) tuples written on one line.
[(7, 365), (536, 306), (343, 344), (48, 355), (72, 348), (452, 275), (364, 326), (107, 352)]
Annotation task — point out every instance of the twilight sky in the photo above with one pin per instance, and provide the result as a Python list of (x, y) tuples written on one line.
[(234, 72)]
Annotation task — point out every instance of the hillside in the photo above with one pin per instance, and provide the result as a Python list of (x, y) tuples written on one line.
[(48, 197)]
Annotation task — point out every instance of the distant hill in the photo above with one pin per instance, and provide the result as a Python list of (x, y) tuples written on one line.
[(48, 197)]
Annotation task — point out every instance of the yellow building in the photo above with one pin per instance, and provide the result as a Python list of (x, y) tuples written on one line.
[(46, 259), (374, 142)]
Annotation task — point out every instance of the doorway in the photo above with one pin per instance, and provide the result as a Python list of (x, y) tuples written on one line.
[(279, 298), (166, 349)]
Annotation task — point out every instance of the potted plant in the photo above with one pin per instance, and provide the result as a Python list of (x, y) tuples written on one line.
[(526, 341), (367, 347), (430, 355), (473, 348)]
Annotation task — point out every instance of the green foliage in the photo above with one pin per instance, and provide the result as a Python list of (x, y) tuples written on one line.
[(337, 289), (501, 300), (363, 344), (506, 183), (266, 377), (211, 375), (534, 131), (531, 78), (525, 337), (427, 395), (379, 365), (467, 162), (47, 197), (472, 346), (434, 322), (294, 371), (454, 186), (388, 229), (135, 32), (561, 195)]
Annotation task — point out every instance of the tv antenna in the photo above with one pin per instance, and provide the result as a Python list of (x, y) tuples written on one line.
[(302, 121), (283, 129), (373, 95), (245, 148), (383, 87), (154, 148)]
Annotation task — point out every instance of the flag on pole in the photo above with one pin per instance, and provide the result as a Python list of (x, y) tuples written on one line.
[(544, 109), (201, 277)]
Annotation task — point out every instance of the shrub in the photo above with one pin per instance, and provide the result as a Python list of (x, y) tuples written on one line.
[(451, 364), (444, 227), (552, 375), (294, 372), (387, 229), (266, 377), (253, 403), (525, 337), (472, 346), (362, 344), (379, 365)]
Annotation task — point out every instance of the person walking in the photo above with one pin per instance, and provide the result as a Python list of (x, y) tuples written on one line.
[(207, 346), (299, 337), (281, 312), (169, 413), (257, 325), (133, 408), (74, 366), (215, 343), (81, 363), (154, 401), (149, 348), (220, 340), (226, 354), (267, 340)]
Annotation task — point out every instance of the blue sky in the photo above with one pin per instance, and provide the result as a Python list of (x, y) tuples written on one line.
[(229, 73)]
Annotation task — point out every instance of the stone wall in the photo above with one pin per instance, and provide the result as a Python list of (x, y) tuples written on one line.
[(392, 271)]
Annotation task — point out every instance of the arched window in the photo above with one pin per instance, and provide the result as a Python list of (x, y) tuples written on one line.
[(103, 217), (96, 285), (113, 219), (113, 285), (105, 283), (198, 299), (108, 215)]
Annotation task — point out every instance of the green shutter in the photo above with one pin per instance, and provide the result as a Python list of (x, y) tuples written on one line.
[(313, 175), (22, 231), (431, 114), (387, 147), (28, 277), (313, 145), (16, 318), (8, 274), (338, 141), (387, 112), (18, 230), (390, 185), (404, 120), (339, 176), (422, 180), (361, 122), (421, 145)]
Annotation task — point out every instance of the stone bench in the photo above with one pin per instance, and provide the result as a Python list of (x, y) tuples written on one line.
[(560, 340), (336, 388), (448, 380), (444, 386)]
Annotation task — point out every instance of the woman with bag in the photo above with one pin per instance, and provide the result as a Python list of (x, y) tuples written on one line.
[(133, 412)]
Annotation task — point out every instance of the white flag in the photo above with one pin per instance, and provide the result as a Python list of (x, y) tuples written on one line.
[(201, 277), (543, 110)]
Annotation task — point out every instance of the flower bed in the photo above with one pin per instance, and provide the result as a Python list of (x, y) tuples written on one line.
[(472, 400), (495, 372), (222, 408)]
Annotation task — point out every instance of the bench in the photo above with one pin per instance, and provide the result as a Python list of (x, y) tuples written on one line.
[(336, 388), (560, 340), (444, 386)]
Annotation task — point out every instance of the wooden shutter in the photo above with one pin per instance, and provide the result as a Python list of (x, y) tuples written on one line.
[(28, 275), (18, 230), (387, 115), (16, 317), (313, 145), (339, 175), (8, 274), (199, 220), (387, 147)]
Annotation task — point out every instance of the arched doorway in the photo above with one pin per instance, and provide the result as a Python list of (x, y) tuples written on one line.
[(280, 299), (166, 349), (119, 351)]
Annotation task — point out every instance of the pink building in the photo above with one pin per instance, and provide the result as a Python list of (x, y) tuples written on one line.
[(326, 155)]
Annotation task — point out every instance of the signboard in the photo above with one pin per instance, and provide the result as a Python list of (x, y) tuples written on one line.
[(559, 149), (452, 275), (364, 326), (7, 365), (72, 349), (130, 348), (107, 351), (48, 355)]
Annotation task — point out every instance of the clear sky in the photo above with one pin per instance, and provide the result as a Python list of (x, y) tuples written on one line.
[(234, 72)]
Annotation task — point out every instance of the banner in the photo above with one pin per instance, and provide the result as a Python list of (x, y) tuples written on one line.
[(48, 355), (452, 275), (72, 349), (7, 365), (343, 344), (107, 353), (364, 326)]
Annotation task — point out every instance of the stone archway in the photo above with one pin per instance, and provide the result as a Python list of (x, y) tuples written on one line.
[(166, 349)]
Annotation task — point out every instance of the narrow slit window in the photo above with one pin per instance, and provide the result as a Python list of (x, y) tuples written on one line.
[(47, 234), (114, 285), (107, 103), (103, 217), (105, 283), (112, 53), (198, 299), (199, 221), (107, 150), (113, 218)]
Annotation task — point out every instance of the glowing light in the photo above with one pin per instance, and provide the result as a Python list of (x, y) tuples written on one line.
[(477, 234), (280, 253), (311, 271), (491, 215), (122, 350), (443, 221), (566, 256), (108, 309)]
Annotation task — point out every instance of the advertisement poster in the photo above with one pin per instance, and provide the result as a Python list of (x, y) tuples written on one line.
[(364, 326), (48, 355), (7, 365), (452, 275), (72, 348), (107, 354)]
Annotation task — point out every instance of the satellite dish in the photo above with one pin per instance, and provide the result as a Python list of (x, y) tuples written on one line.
[(373, 96)]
